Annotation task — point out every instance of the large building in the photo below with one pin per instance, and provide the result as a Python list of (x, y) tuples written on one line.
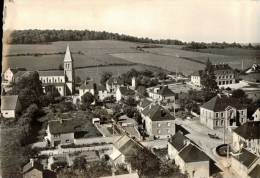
[(64, 81), (222, 110), (158, 121), (224, 74)]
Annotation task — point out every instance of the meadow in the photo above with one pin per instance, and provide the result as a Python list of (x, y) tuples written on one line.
[(120, 56)]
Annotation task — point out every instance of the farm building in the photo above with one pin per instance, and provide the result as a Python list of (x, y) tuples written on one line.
[(10, 106)]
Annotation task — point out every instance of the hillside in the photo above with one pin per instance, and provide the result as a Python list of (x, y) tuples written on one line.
[(94, 57)]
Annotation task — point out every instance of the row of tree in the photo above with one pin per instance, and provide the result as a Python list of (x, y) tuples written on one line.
[(34, 36)]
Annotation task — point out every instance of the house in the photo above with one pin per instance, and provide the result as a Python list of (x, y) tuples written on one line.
[(130, 175), (196, 78), (222, 110), (10, 106), (8, 75), (63, 80), (162, 94), (123, 93), (60, 132), (224, 74), (188, 156), (244, 162), (143, 104), (248, 136), (33, 169), (256, 115), (123, 149), (113, 83), (158, 121), (254, 173)]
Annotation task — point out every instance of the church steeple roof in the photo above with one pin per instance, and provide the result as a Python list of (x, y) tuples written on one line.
[(67, 57)]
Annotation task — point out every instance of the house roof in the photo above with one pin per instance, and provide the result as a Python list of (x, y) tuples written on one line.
[(192, 153), (32, 165), (115, 81), (14, 70), (87, 85), (126, 91), (249, 130), (101, 88), (165, 91), (130, 175), (255, 172), (246, 158), (222, 69), (9, 102), (157, 113), (221, 102), (62, 126), (178, 141), (145, 102), (51, 73), (127, 146), (54, 84), (197, 73)]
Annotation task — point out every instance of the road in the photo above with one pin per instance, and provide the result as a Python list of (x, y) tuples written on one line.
[(199, 134)]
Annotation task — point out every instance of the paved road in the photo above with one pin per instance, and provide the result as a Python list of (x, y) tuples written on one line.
[(199, 134)]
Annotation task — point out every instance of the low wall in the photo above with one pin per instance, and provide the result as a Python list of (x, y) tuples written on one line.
[(93, 140)]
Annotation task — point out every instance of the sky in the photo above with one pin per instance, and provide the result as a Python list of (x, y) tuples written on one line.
[(187, 20)]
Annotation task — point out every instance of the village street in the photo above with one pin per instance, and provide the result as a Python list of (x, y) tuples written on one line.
[(199, 134)]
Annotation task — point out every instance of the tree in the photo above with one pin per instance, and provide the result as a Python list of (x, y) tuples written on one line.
[(78, 80), (87, 99), (104, 77), (32, 111), (238, 93), (208, 78), (61, 67), (79, 163)]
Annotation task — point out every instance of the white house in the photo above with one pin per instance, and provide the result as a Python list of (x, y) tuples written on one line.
[(123, 148), (248, 136), (244, 162), (162, 94), (222, 110), (188, 156), (256, 115), (158, 121), (196, 78), (124, 93), (10, 106), (60, 132)]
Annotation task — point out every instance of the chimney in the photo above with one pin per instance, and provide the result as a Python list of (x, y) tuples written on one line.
[(32, 162), (186, 141)]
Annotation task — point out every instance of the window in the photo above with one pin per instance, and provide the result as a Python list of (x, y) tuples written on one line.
[(159, 125), (168, 130), (216, 114), (168, 124), (242, 112), (59, 89), (222, 114), (222, 122), (159, 131)]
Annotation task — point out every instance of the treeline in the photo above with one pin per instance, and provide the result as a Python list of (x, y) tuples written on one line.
[(196, 45), (46, 36), (35, 36)]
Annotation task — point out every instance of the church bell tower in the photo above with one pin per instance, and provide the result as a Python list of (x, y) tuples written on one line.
[(69, 72)]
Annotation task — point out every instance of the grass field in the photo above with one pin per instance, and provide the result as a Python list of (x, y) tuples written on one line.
[(108, 52)]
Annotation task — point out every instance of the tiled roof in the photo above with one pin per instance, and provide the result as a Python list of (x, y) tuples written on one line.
[(145, 102), (178, 141), (115, 81), (51, 73), (255, 173), (249, 130), (157, 113), (192, 153), (165, 91), (32, 165), (221, 102), (246, 158), (126, 91), (89, 85), (128, 146), (9, 102), (62, 126), (197, 73), (221, 67)]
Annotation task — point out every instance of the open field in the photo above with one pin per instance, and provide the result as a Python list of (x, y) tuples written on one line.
[(120, 56)]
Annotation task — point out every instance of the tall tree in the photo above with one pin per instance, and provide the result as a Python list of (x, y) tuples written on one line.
[(105, 76), (208, 78)]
